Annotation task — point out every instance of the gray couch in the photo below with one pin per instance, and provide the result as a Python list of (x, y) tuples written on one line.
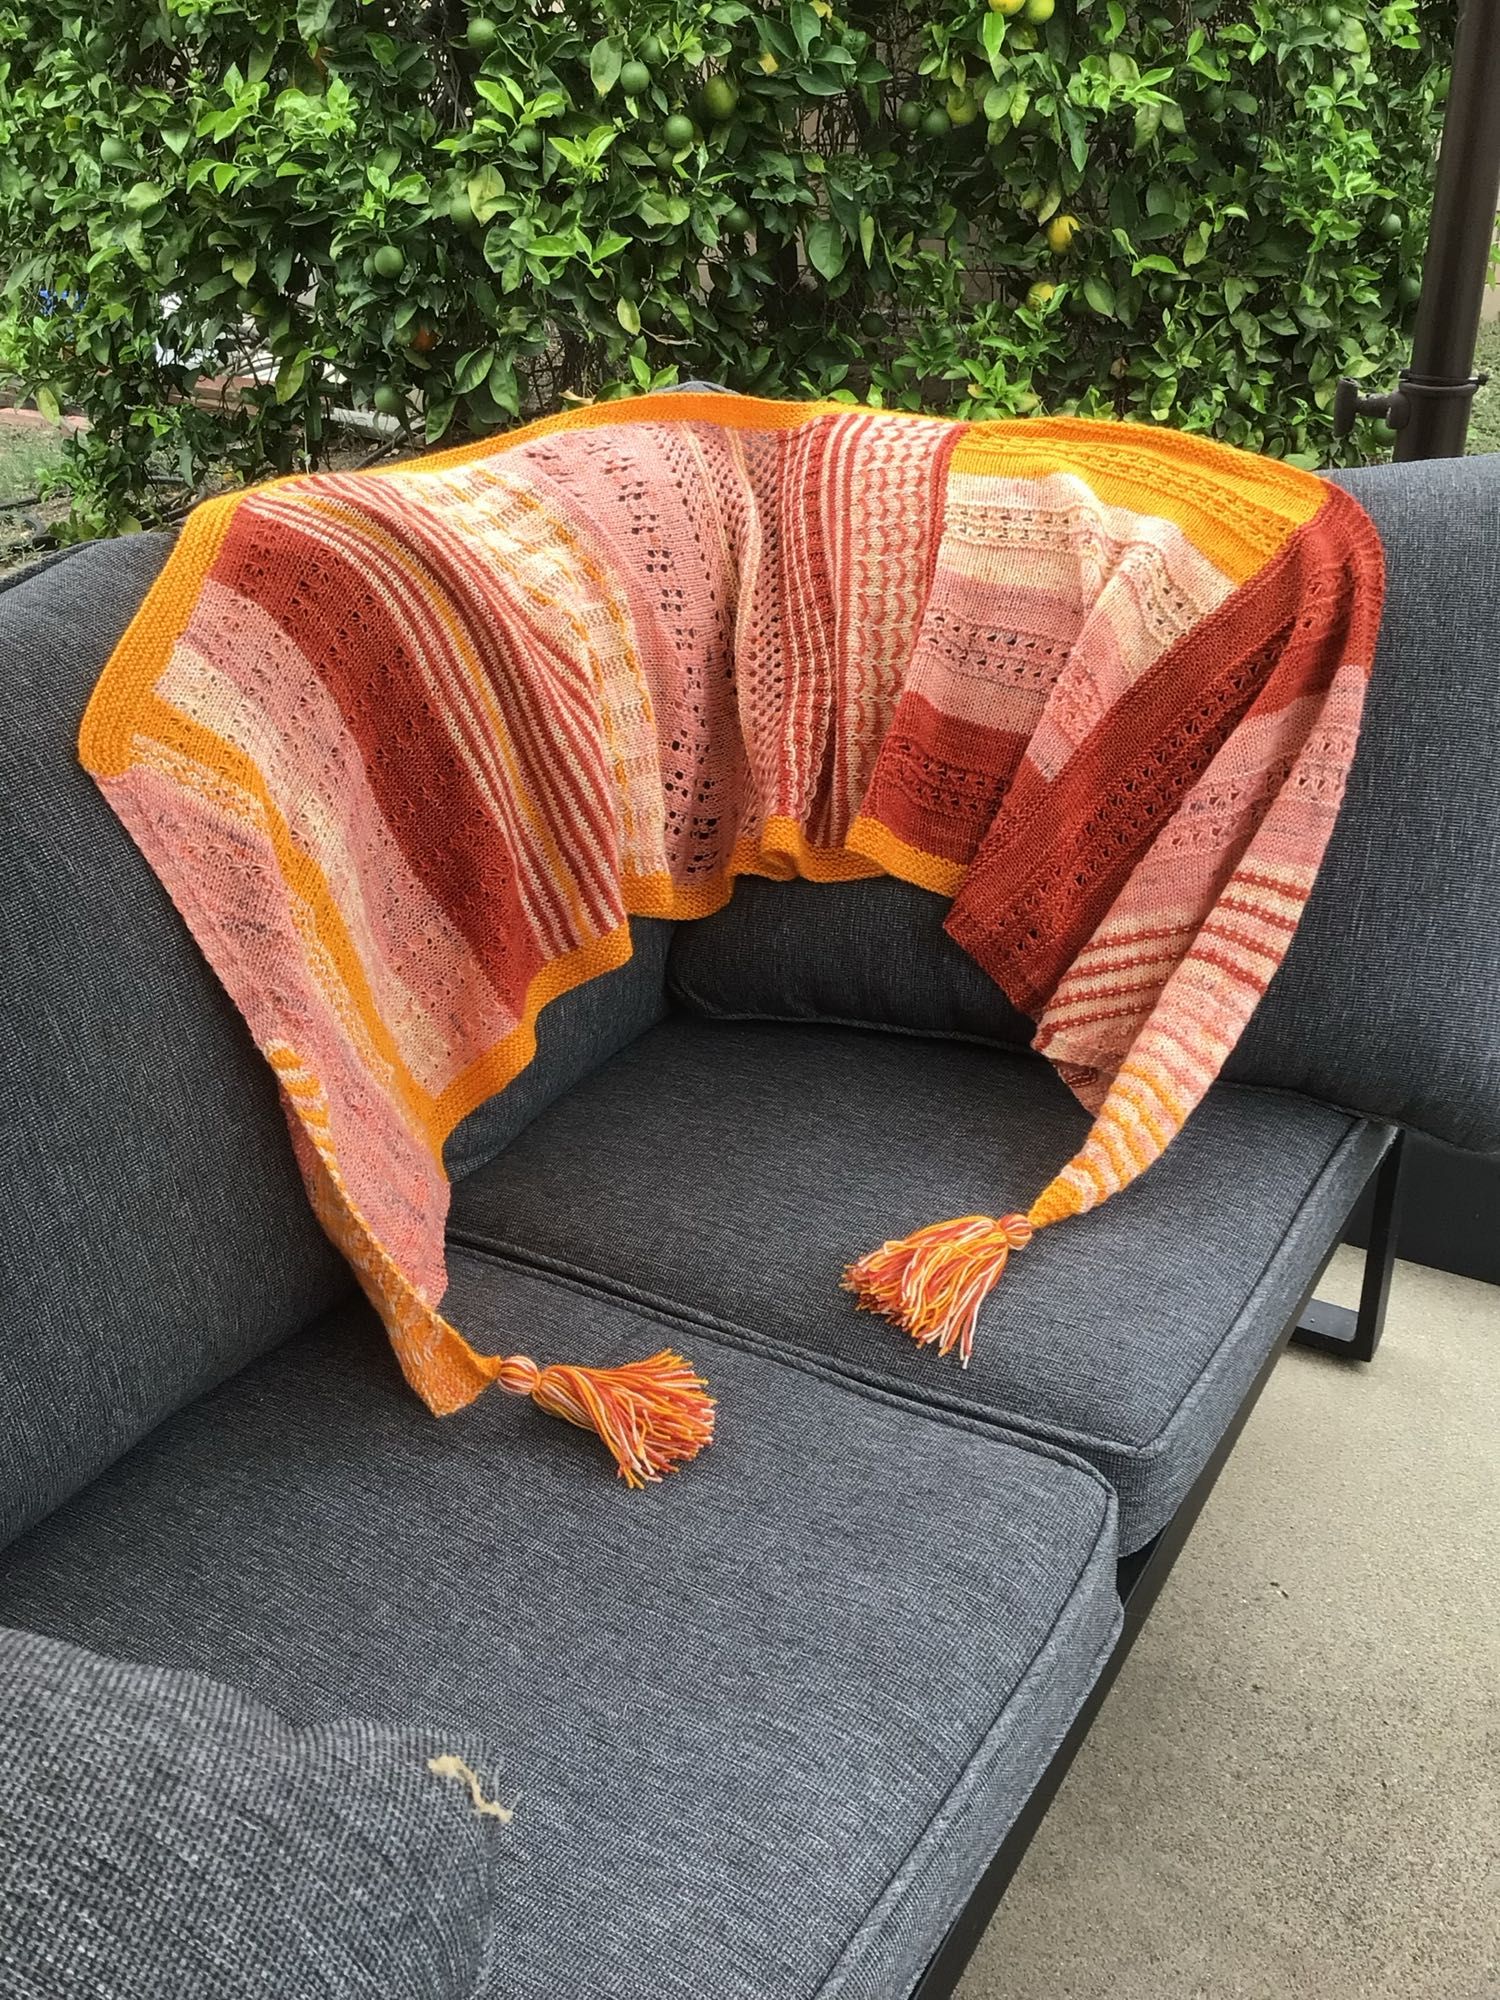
[(778, 1727)]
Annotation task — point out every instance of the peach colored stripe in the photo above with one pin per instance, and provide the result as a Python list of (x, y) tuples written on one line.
[(264, 697)]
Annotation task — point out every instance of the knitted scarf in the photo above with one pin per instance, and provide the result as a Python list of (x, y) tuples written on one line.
[(409, 747)]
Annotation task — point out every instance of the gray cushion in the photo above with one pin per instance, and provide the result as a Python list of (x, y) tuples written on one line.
[(163, 1836), (1389, 999), (154, 1232), (153, 1228), (735, 1170), (573, 1036), (860, 954), (761, 1724)]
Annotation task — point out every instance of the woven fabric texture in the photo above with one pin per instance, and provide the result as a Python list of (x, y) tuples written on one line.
[(761, 1730), (729, 1170), (163, 1837), (409, 748), (861, 954)]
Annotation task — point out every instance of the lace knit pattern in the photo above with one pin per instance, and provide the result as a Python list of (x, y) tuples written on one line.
[(409, 747)]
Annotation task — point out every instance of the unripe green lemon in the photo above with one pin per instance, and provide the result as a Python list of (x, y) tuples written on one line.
[(388, 261), (936, 124), (678, 131), (721, 95), (635, 79), (481, 35), (389, 400), (909, 117)]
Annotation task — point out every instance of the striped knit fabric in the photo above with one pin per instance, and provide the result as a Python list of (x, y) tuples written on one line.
[(409, 747)]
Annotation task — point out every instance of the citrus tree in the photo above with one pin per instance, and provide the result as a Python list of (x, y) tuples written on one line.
[(1195, 213)]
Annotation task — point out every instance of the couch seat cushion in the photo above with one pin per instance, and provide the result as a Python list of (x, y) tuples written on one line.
[(735, 1169), (162, 1834), (761, 1725)]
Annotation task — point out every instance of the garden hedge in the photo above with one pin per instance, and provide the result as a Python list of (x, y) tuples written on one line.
[(1198, 214)]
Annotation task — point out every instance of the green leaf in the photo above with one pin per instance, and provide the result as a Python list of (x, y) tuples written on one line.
[(867, 237), (806, 26), (289, 378), (503, 387), (439, 417), (606, 60), (1100, 294), (486, 192), (1077, 134), (628, 314), (144, 195), (472, 369), (992, 35), (499, 92), (47, 403), (663, 211), (827, 249)]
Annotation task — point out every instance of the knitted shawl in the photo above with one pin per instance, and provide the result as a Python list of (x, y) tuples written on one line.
[(409, 747)]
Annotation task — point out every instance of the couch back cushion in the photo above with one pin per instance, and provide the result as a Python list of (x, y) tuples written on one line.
[(856, 954), (154, 1232), (162, 1834), (1388, 1002)]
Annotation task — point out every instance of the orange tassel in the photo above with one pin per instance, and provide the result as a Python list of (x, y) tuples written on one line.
[(654, 1415), (933, 1282)]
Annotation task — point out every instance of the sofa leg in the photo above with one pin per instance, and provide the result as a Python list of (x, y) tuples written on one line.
[(1355, 1335)]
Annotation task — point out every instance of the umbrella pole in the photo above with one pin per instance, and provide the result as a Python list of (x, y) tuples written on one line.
[(1430, 410)]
